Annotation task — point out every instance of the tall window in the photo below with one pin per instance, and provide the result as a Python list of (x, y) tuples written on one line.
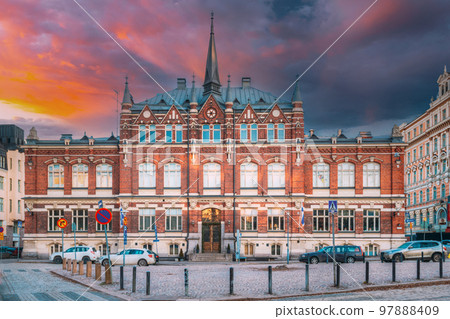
[(18, 186), (254, 133), (178, 133), (444, 140), (420, 174), (281, 133), (415, 176), (421, 152), (414, 155), (244, 137), (53, 216), (346, 175), (173, 219), (321, 175), (147, 175), (80, 219), (141, 133), (104, 176), (371, 175), (173, 249), (444, 166), (249, 175), (276, 175), (249, 219), (371, 221), (168, 133), (443, 191), (320, 220), (420, 196), (2, 181), (435, 144), (205, 133), (275, 220), (56, 175), (275, 250), (428, 194), (147, 219), (152, 133), (371, 250), (434, 193), (414, 198), (270, 132), (409, 199), (1, 205), (172, 175), (19, 206), (216, 133), (346, 220), (80, 175), (211, 175), (428, 148), (409, 158)]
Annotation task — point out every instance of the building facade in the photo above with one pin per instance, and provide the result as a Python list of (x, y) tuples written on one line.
[(12, 184), (201, 164), (426, 169)]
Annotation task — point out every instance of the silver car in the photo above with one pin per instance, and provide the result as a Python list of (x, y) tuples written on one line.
[(432, 250)]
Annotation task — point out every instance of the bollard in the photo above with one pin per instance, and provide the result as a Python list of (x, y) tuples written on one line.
[(98, 272), (327, 258), (64, 263), (89, 269), (270, 280), (186, 282), (121, 278), (74, 267), (80, 268), (364, 257), (308, 261), (147, 286), (393, 270), (108, 275), (422, 256), (338, 274), (307, 277), (69, 265), (418, 269), (367, 272), (231, 280), (133, 283), (441, 273)]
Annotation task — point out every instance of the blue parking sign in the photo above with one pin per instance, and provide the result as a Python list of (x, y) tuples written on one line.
[(19, 224)]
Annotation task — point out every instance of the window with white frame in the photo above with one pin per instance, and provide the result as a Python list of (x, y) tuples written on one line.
[(249, 175), (275, 219), (169, 133), (104, 176), (371, 175), (249, 249), (371, 250), (346, 220), (270, 132), (346, 175), (99, 227), (254, 133), (80, 219), (173, 219), (56, 176), (205, 133), (320, 220), (444, 140), (152, 135), (147, 246), (244, 138), (276, 175), (53, 216), (249, 220), (1, 205), (147, 218), (172, 175), (321, 175), (371, 221), (178, 133), (173, 249), (55, 248), (19, 206), (275, 250), (216, 133), (2, 181), (281, 133), (19, 185), (80, 176), (103, 250), (147, 175), (211, 175), (141, 133)]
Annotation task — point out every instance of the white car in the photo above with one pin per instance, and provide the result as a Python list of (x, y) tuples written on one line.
[(84, 253), (140, 257)]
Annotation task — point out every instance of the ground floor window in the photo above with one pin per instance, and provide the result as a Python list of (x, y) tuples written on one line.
[(173, 249), (55, 248), (371, 250), (53, 216), (249, 219), (275, 220), (102, 249), (346, 220), (320, 220), (147, 246), (276, 250), (249, 249), (371, 221)]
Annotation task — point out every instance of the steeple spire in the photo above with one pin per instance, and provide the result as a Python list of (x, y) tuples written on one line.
[(212, 82), (296, 97), (127, 99), (193, 98)]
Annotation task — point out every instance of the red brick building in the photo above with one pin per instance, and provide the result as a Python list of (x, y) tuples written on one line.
[(199, 164)]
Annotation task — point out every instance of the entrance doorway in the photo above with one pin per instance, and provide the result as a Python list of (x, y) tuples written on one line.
[(211, 230)]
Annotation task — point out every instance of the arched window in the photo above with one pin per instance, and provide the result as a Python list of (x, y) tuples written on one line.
[(281, 133), (249, 175), (428, 194), (371, 175), (104, 175), (80, 175), (147, 175), (254, 133), (211, 175), (414, 199), (346, 175), (276, 175), (172, 175), (321, 175), (55, 175), (275, 250), (409, 199), (434, 193), (244, 137), (421, 197), (443, 191)]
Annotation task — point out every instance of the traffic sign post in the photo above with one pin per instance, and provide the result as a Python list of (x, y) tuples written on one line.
[(332, 210), (1, 233), (103, 217), (124, 242), (19, 226), (62, 223), (442, 215), (74, 229), (238, 246)]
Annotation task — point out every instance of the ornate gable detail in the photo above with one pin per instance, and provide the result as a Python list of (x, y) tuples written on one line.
[(146, 117), (211, 112), (248, 116), (275, 115), (173, 117)]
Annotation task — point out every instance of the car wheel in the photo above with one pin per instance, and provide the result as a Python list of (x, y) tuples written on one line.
[(105, 262), (142, 263), (314, 260), (398, 258), (57, 260), (350, 260), (85, 259), (436, 257)]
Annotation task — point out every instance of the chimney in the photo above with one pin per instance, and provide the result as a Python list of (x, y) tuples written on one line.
[(181, 84), (365, 134), (246, 81), (339, 132)]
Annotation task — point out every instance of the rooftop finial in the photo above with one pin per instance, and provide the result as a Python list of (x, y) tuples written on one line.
[(212, 22), (445, 68), (212, 82), (228, 96), (193, 95)]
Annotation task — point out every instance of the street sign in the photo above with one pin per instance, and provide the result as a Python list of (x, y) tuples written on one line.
[(442, 221), (100, 204), (409, 220), (1, 229), (1, 236), (103, 216), (125, 235), (407, 215), (332, 206), (19, 224), (62, 223), (125, 221), (156, 240)]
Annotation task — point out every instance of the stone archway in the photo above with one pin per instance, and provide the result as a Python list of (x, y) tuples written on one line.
[(211, 230)]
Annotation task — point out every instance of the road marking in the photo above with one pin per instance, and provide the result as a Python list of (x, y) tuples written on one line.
[(74, 296), (36, 270), (42, 296)]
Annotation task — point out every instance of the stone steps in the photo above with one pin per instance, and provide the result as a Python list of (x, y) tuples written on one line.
[(211, 257)]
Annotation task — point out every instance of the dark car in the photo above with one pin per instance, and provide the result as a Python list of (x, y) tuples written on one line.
[(344, 254)]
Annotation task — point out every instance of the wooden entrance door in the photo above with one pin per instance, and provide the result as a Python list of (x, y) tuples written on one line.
[(211, 238)]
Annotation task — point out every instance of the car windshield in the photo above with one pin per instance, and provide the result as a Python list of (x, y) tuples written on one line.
[(325, 249), (121, 253), (405, 245)]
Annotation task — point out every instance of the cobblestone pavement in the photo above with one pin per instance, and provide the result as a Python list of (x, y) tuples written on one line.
[(33, 281), (211, 281)]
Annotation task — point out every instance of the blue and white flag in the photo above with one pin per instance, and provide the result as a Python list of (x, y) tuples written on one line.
[(121, 217), (303, 217)]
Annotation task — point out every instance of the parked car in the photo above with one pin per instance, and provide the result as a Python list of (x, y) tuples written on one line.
[(156, 255), (431, 249), (140, 257), (345, 253), (9, 252), (84, 253), (446, 244)]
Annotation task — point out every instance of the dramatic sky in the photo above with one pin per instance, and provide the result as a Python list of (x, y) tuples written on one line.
[(59, 70)]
